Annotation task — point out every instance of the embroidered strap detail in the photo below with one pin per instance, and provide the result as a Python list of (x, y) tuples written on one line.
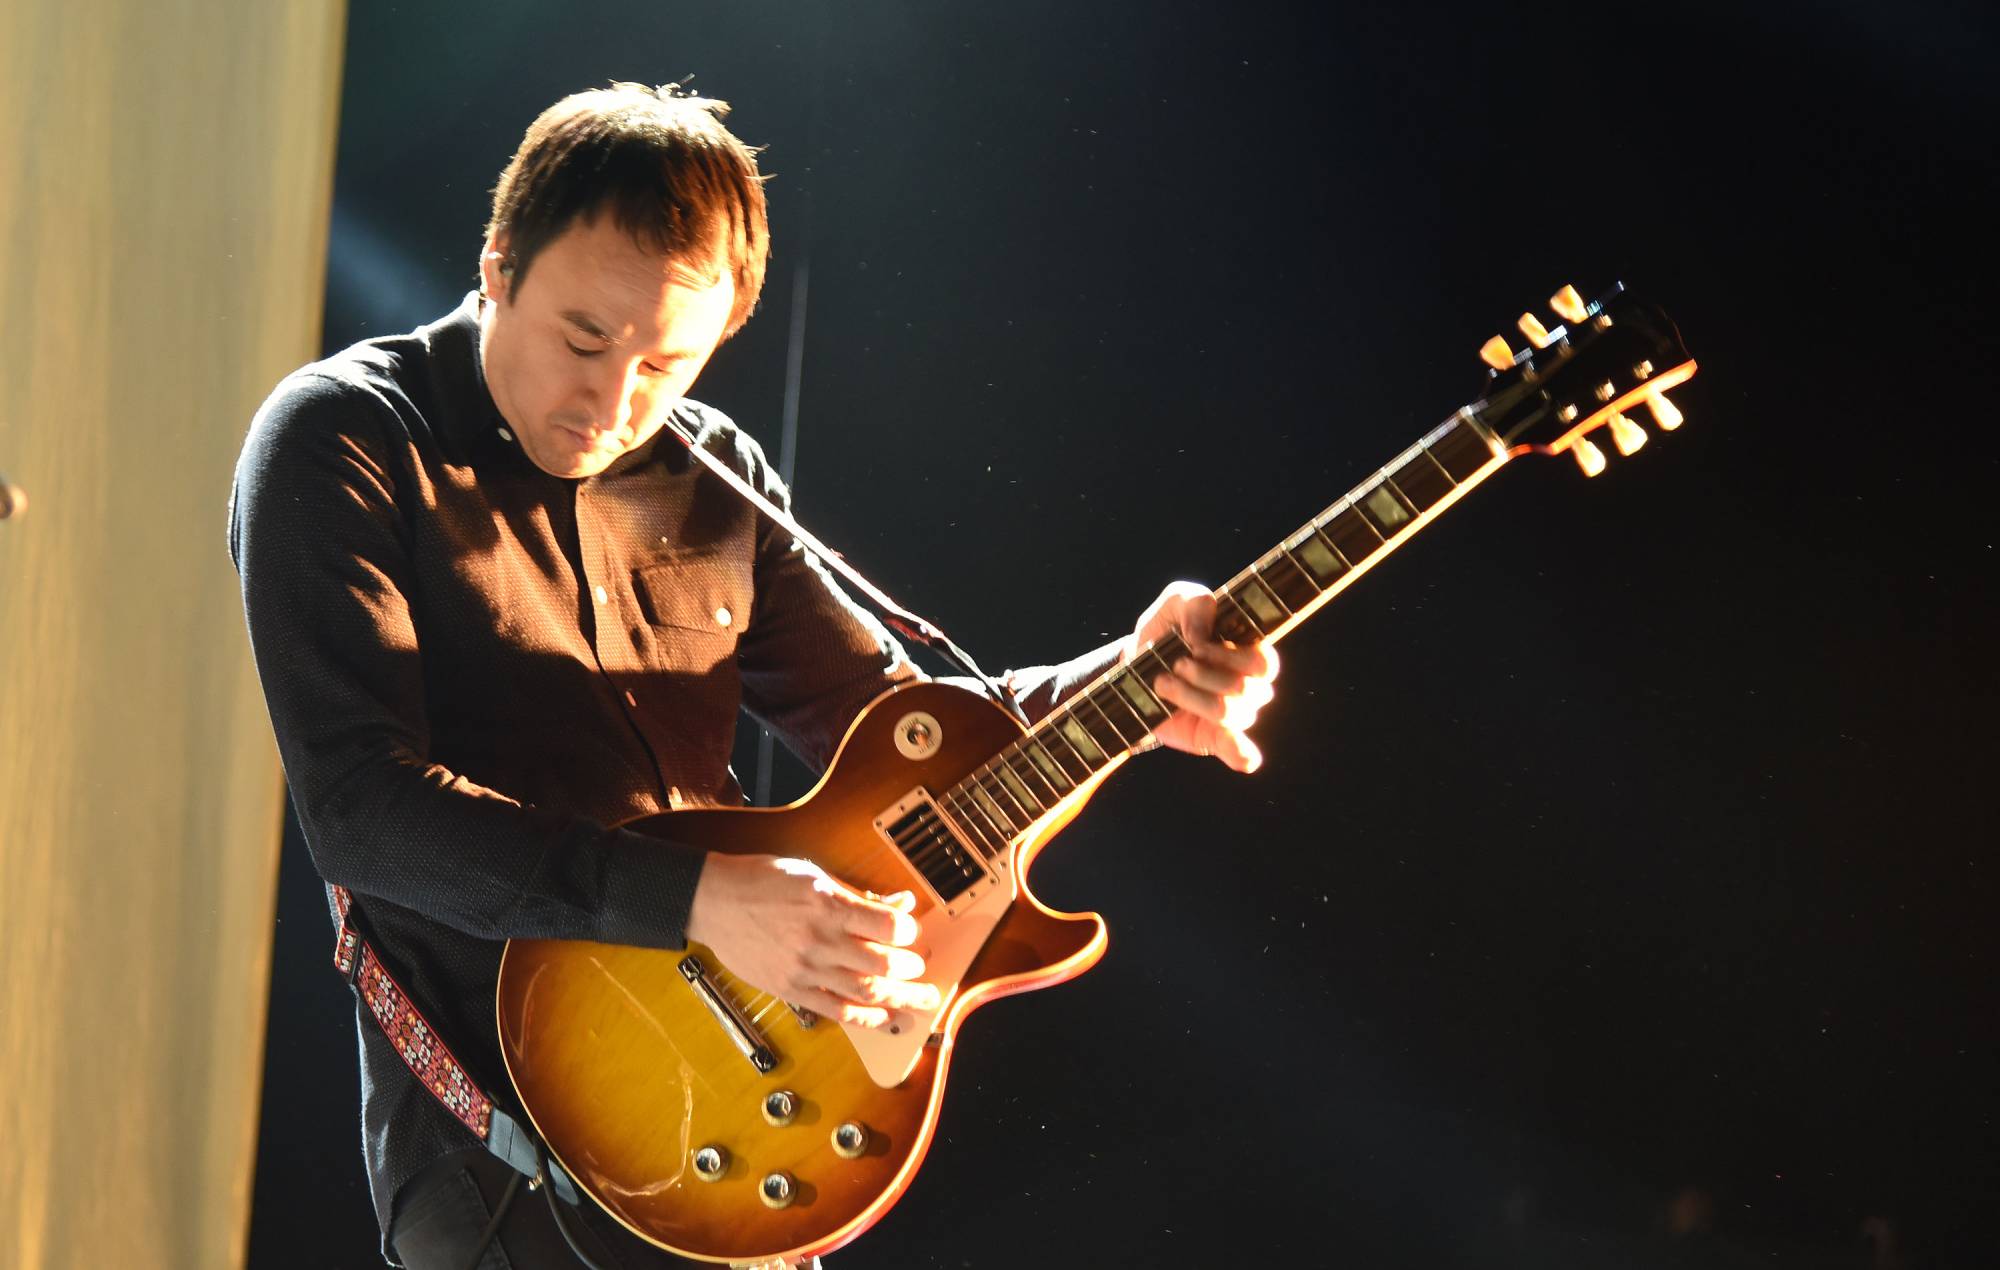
[(422, 1050)]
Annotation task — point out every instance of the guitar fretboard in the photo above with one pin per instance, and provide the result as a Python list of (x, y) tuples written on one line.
[(1117, 712)]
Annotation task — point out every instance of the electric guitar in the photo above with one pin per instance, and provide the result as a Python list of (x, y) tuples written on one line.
[(727, 1125)]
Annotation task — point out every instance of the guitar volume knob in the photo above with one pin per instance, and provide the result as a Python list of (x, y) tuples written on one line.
[(777, 1190), (850, 1140), (710, 1163), (781, 1107)]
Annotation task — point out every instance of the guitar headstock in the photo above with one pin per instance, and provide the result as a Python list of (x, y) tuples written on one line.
[(1600, 364)]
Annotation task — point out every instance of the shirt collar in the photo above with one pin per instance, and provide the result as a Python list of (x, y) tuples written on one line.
[(467, 418)]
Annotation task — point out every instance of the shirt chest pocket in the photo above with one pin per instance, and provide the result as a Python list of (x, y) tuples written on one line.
[(697, 605)]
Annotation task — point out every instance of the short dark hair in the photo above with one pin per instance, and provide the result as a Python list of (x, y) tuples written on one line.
[(660, 161)]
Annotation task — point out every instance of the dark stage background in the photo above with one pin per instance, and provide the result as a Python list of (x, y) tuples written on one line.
[(1619, 889)]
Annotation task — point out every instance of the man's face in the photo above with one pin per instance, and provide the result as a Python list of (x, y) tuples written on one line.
[(589, 353)]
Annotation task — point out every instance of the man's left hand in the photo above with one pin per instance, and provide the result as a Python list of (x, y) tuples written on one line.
[(1216, 689)]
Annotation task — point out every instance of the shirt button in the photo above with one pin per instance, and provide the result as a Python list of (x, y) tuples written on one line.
[(506, 435), (601, 594), (722, 617), (631, 700)]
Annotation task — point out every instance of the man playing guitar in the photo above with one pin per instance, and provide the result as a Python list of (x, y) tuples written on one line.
[(497, 614)]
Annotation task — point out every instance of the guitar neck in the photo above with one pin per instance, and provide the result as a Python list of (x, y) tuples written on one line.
[(1287, 584)]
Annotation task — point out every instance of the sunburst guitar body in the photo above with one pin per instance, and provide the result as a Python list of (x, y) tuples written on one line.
[(721, 1123), (632, 1061)]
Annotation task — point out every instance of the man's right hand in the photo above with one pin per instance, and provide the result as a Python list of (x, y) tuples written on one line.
[(785, 927)]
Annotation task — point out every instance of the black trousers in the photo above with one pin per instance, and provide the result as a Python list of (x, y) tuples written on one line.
[(441, 1212)]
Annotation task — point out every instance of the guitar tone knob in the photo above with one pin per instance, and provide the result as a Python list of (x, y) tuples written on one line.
[(710, 1163), (850, 1140), (777, 1190), (781, 1107)]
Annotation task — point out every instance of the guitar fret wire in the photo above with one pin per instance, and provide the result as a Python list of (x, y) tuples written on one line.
[(1304, 572), (1008, 790), (1055, 733), (1389, 483), (1028, 769), (1043, 750), (1134, 676), (1319, 532), (992, 807), (1005, 815), (970, 819), (1241, 612), (1112, 692), (1006, 832), (1166, 667), (1257, 575), (1040, 808), (1109, 722), (1069, 713)]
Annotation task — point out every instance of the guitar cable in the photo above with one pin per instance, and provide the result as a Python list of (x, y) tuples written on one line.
[(555, 1209), (493, 1224), (486, 1236)]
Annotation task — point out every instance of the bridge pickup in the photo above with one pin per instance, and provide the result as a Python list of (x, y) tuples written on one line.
[(740, 1030), (936, 849)]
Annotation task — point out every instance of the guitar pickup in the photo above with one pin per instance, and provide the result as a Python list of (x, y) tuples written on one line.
[(937, 850)]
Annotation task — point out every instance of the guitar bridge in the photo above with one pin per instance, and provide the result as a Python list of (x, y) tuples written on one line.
[(937, 850), (741, 1031)]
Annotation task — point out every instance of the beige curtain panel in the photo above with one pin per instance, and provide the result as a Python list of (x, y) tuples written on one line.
[(165, 175)]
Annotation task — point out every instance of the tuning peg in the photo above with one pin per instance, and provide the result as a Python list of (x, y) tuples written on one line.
[(1495, 353), (1568, 305), (1625, 434), (1531, 326), (1588, 456), (1665, 413)]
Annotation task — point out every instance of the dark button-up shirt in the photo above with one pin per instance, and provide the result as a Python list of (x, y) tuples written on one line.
[(474, 669)]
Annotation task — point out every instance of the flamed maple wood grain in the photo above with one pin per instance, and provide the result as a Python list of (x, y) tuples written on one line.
[(626, 1074)]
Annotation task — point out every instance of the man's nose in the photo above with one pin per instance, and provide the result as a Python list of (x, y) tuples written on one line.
[(617, 395)]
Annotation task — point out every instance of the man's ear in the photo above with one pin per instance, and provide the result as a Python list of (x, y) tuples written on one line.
[(496, 276)]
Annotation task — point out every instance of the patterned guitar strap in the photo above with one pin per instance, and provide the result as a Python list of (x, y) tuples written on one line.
[(429, 1059)]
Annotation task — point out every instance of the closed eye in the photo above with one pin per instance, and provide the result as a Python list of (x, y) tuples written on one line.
[(645, 368)]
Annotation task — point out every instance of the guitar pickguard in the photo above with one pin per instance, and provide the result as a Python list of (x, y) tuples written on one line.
[(948, 943)]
